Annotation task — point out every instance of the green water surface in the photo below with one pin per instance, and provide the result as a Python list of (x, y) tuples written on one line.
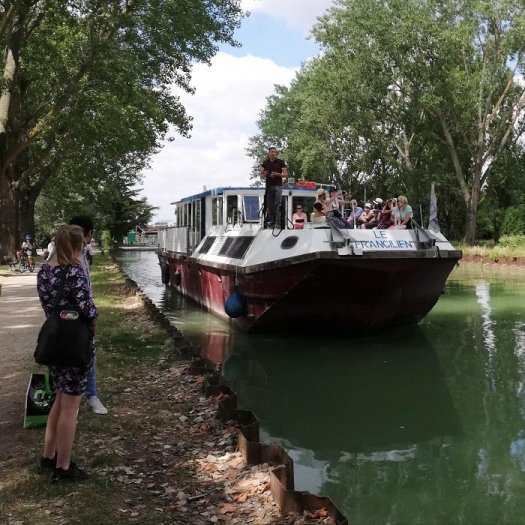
[(424, 425)]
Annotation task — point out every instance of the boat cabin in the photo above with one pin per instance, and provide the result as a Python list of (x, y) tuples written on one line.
[(232, 208)]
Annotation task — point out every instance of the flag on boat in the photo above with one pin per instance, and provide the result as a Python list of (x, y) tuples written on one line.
[(433, 223)]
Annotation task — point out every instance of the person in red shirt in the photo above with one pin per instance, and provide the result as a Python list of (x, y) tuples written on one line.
[(273, 171)]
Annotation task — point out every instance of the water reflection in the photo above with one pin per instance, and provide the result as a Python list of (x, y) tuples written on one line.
[(424, 426), (359, 395)]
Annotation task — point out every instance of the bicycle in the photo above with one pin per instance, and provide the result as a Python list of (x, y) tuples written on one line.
[(25, 263)]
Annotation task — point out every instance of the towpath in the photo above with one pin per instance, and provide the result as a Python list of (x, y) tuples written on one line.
[(20, 319)]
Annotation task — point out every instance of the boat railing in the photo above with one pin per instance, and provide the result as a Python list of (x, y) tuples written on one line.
[(347, 244)]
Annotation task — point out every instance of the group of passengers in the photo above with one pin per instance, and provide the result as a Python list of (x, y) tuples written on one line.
[(394, 213)]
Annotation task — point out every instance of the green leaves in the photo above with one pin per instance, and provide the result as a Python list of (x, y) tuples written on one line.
[(405, 92), (94, 91)]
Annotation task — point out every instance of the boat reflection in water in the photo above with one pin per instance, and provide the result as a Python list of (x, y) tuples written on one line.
[(330, 402)]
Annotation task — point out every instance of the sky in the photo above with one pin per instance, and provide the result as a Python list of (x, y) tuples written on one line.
[(230, 93)]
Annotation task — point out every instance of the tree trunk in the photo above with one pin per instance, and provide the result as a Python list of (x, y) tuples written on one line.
[(470, 226), (472, 211), (9, 219), (26, 207)]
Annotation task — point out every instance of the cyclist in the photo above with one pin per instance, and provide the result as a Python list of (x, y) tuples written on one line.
[(26, 250)]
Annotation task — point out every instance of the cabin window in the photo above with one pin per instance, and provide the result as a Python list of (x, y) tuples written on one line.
[(306, 202), (251, 208), (232, 209), (216, 211), (236, 247), (205, 248), (197, 212)]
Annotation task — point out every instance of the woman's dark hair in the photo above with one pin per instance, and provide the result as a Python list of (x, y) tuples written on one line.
[(318, 206), (84, 221)]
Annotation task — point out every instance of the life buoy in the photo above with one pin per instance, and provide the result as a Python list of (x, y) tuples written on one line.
[(165, 272), (306, 185), (235, 305)]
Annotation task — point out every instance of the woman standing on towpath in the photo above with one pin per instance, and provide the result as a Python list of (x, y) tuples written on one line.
[(64, 270)]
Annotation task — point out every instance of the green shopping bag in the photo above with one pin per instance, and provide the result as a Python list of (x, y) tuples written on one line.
[(39, 400)]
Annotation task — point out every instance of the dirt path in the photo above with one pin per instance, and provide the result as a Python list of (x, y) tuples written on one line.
[(20, 319)]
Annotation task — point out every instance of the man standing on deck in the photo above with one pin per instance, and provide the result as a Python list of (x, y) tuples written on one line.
[(273, 171)]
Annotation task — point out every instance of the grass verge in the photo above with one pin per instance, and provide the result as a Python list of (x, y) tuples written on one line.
[(134, 453), (508, 247)]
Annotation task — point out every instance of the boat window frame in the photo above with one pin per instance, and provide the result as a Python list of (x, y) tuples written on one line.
[(217, 218), (197, 215), (244, 207), (234, 217), (307, 202)]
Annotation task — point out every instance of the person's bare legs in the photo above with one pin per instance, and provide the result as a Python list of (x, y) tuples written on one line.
[(66, 426), (50, 439)]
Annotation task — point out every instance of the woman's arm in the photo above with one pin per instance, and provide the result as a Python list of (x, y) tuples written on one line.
[(407, 218)]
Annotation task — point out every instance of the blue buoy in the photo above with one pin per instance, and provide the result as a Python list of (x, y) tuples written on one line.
[(235, 305)]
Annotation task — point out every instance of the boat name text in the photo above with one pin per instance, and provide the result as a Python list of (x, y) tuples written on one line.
[(382, 241)]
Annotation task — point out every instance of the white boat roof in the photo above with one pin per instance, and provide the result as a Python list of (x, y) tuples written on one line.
[(261, 189)]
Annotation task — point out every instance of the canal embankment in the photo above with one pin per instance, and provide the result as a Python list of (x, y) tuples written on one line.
[(159, 456)]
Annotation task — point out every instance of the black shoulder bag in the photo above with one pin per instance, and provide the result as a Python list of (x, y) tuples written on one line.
[(65, 339)]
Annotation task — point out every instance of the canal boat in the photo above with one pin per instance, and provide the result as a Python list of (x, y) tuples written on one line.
[(321, 278)]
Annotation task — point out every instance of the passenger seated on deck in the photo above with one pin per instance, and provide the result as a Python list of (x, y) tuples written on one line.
[(355, 213), (402, 214), (318, 214), (334, 204), (367, 216), (320, 207), (299, 217), (374, 222), (386, 219)]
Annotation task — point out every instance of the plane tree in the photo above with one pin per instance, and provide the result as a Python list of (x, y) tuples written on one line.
[(84, 78), (409, 91)]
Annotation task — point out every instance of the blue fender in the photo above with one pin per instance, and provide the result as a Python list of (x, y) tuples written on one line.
[(235, 305)]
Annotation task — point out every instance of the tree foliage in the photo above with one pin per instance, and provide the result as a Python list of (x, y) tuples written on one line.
[(407, 92), (90, 88)]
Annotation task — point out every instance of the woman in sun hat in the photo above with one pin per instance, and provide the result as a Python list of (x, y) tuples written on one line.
[(320, 206), (366, 216)]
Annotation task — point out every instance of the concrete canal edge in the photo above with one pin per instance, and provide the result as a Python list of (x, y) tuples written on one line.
[(252, 450)]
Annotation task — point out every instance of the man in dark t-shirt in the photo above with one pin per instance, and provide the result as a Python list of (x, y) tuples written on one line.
[(273, 171)]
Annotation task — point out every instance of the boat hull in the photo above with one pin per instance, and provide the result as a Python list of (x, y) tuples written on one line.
[(351, 295)]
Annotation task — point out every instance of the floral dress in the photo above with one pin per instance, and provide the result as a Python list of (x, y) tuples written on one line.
[(76, 295)]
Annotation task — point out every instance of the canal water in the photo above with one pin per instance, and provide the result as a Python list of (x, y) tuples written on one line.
[(424, 425)]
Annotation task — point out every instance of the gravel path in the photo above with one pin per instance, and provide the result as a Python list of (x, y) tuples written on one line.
[(21, 317)]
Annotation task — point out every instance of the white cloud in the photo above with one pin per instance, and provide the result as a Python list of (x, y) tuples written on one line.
[(298, 14), (230, 94)]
